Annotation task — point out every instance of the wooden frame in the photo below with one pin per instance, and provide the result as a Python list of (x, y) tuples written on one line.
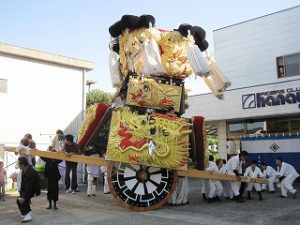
[(102, 162)]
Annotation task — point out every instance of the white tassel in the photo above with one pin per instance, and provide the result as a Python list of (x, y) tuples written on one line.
[(197, 61), (114, 69), (147, 61)]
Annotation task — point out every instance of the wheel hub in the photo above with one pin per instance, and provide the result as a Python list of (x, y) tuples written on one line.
[(142, 175)]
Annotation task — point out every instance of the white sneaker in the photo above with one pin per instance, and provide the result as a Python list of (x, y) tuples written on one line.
[(68, 191), (27, 218), (29, 213)]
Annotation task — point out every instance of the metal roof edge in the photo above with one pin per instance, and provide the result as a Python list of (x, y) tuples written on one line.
[(45, 56), (245, 21)]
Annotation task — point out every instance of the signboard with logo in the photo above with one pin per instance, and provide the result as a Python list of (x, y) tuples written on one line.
[(274, 99), (266, 149), (271, 98)]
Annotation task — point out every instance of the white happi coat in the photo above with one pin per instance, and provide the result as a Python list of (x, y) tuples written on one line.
[(290, 174), (215, 186), (253, 174), (227, 192), (270, 173), (234, 164), (287, 170)]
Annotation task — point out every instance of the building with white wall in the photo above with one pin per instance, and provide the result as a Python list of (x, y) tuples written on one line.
[(261, 57), (39, 93)]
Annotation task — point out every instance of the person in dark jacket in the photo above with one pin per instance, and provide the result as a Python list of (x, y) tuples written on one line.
[(29, 187), (53, 176), (71, 148)]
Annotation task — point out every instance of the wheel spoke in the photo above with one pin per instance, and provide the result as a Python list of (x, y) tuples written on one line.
[(135, 186), (153, 182), (155, 172), (145, 189), (131, 167), (129, 178)]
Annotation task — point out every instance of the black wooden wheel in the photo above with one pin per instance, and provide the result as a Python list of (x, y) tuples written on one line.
[(141, 188)]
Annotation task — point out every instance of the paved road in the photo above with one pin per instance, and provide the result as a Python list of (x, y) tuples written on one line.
[(103, 209)]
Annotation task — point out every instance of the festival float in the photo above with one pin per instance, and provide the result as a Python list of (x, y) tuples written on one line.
[(150, 143)]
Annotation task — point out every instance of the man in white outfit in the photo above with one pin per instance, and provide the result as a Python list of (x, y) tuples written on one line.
[(287, 175), (234, 167), (253, 172), (106, 189), (93, 175), (227, 192), (270, 174), (215, 187), (180, 195)]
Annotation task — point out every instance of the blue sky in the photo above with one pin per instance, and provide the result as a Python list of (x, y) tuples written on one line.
[(79, 28)]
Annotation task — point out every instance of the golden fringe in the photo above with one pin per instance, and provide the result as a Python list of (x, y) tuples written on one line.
[(90, 116)]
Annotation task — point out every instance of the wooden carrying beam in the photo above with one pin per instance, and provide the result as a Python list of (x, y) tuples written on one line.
[(102, 162), (217, 176), (61, 156)]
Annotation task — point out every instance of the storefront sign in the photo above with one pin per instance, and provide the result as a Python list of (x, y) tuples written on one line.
[(271, 98)]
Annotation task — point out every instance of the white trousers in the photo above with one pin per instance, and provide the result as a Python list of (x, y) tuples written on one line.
[(204, 187), (287, 185), (91, 189), (215, 188), (270, 184), (106, 188), (234, 186), (251, 185), (227, 192), (180, 195)]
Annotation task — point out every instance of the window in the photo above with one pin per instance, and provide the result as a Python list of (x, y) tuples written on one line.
[(295, 125), (279, 126), (263, 126), (236, 128), (256, 127), (288, 65)]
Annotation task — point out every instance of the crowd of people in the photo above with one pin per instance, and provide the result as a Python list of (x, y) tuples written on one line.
[(212, 190), (284, 176), (28, 180)]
